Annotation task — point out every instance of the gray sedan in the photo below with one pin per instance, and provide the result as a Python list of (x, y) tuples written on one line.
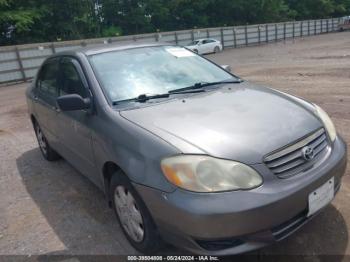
[(185, 151)]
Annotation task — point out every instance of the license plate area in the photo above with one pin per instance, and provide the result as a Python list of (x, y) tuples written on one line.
[(321, 197)]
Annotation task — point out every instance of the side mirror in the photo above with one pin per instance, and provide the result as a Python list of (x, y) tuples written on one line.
[(73, 102), (226, 67)]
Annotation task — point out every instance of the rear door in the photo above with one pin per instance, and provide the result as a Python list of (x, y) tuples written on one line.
[(74, 131), (45, 95), (211, 45)]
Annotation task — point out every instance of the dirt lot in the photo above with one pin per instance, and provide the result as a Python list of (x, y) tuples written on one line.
[(49, 208)]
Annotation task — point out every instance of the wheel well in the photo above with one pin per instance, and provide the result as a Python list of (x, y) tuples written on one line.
[(109, 168)]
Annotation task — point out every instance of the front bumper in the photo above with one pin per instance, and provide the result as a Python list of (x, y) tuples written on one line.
[(235, 222)]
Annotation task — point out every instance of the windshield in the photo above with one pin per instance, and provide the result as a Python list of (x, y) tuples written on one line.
[(129, 73)]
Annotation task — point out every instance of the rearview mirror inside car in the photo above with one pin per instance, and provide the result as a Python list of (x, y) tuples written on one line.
[(73, 102)]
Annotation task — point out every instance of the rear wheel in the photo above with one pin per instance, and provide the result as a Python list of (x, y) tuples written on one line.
[(216, 49), (133, 215), (47, 152)]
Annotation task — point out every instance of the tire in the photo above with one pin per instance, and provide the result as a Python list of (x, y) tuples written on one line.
[(216, 49), (149, 242), (48, 153), (196, 51)]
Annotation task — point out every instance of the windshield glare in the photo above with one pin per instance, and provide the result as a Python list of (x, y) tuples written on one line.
[(129, 73)]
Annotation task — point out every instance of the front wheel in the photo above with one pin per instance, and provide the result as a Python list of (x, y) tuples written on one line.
[(216, 49), (133, 215)]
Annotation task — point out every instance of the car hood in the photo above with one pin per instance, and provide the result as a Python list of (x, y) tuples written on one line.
[(241, 122)]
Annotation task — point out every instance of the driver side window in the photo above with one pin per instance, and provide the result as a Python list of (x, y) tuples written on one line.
[(47, 82), (71, 82)]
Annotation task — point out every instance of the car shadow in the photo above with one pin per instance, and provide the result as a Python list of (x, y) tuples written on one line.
[(74, 208), (324, 237), (78, 213)]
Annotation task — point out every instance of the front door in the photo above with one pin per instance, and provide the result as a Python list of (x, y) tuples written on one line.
[(46, 92), (73, 126)]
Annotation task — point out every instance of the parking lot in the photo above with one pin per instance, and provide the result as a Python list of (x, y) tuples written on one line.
[(49, 208)]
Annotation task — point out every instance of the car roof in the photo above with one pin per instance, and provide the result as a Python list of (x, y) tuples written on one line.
[(201, 39), (104, 48)]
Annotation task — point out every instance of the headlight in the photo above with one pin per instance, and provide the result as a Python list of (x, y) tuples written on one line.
[(207, 174), (327, 122)]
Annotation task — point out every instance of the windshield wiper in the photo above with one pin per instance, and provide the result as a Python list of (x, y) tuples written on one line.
[(199, 86), (142, 98), (196, 88)]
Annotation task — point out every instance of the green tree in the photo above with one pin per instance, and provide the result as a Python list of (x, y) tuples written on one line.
[(159, 13), (26, 21), (70, 19), (312, 9), (129, 15), (17, 18)]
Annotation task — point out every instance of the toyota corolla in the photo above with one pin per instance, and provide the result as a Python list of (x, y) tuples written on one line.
[(185, 151)]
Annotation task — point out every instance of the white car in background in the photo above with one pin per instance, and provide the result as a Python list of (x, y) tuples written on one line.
[(205, 46)]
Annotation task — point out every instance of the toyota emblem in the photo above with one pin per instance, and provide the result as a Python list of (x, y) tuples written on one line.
[(308, 153)]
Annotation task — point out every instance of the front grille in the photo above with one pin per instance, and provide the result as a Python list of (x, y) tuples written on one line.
[(290, 160)]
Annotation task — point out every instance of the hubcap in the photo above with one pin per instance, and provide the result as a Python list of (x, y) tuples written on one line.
[(129, 214), (41, 140)]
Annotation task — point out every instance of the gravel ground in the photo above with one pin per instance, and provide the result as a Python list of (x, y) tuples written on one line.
[(49, 208)]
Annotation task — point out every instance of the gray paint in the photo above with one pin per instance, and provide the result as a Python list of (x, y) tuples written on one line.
[(241, 122)]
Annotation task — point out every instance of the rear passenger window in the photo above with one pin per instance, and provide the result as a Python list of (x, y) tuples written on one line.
[(48, 78), (71, 82)]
